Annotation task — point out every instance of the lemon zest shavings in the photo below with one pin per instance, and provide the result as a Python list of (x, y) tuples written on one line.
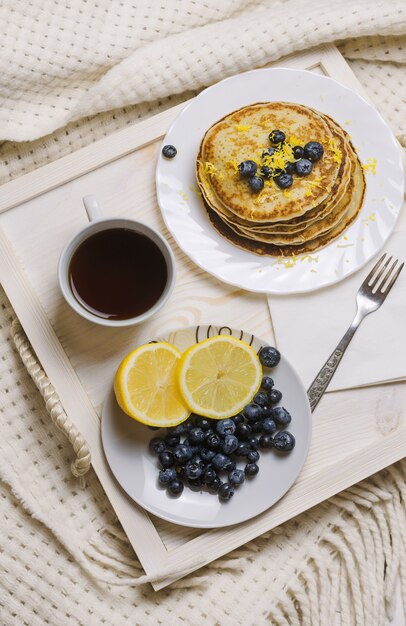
[(233, 164), (212, 170), (309, 258), (242, 128), (370, 165), (337, 154), (184, 195)]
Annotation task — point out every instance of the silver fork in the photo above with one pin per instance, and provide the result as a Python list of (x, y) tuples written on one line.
[(370, 296)]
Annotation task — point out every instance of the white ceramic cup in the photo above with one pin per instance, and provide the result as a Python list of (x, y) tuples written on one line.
[(97, 224)]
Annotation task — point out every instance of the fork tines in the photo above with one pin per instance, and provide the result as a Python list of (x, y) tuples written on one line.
[(381, 266)]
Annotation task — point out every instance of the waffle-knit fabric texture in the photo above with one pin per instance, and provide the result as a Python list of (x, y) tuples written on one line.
[(71, 73)]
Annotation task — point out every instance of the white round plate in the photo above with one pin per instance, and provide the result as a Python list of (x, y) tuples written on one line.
[(125, 444), (186, 218)]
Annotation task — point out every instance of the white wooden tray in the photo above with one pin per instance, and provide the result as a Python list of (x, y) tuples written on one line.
[(356, 433)]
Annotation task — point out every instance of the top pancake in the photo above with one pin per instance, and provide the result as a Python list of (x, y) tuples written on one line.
[(243, 135)]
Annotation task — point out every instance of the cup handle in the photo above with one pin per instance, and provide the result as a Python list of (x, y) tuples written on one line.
[(92, 208)]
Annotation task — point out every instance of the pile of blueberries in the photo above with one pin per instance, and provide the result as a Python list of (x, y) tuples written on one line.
[(306, 156), (205, 452)]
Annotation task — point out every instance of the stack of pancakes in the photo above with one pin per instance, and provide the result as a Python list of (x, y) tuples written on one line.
[(301, 219)]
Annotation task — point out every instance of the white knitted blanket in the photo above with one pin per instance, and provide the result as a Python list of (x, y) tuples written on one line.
[(63, 557)]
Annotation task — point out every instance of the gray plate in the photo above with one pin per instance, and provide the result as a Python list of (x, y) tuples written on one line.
[(125, 444)]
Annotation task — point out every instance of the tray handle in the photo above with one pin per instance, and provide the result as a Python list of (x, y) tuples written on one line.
[(81, 464)]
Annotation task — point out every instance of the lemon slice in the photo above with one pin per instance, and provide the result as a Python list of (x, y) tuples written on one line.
[(146, 388), (218, 376)]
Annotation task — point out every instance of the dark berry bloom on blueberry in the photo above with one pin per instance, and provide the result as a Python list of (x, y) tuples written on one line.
[(252, 412), (303, 167), (276, 136), (236, 477), (281, 416), (298, 152), (197, 435), (284, 441), (176, 487), (251, 469), (225, 491), (268, 152), (269, 356), (172, 439), (157, 445), (214, 485), (226, 427), (230, 444), (256, 183), (166, 458), (203, 422), (213, 441), (289, 168), (243, 449), (178, 430), (166, 476), (269, 426), (260, 398), (230, 465), (243, 431), (206, 454), (266, 441), (266, 172), (274, 396), (169, 151), (313, 151), (220, 461), (194, 470), (182, 453), (267, 383), (284, 180), (247, 169), (253, 456)]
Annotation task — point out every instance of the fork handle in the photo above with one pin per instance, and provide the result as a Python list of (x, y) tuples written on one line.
[(323, 378)]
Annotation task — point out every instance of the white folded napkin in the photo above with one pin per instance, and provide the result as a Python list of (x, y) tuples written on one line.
[(308, 327)]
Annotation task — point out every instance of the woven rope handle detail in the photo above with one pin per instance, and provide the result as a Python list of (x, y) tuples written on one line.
[(81, 464)]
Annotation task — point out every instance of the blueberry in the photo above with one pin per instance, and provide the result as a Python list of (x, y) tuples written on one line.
[(269, 426), (284, 441), (172, 439), (238, 419), (180, 471), (269, 356), (276, 136), (203, 423), (230, 465), (166, 458), (169, 151), (303, 167), (274, 396), (256, 427), (289, 168), (226, 427), (256, 183), (266, 172), (197, 435), (281, 416), (230, 444), (213, 487), (157, 445), (267, 383), (243, 431), (220, 461), (298, 152), (209, 475), (226, 491), (243, 449), (206, 454), (266, 411), (254, 442), (253, 456), (196, 482), (176, 487), (247, 169), (313, 151), (166, 476), (182, 453), (177, 430), (194, 448), (213, 441), (252, 412), (284, 180), (251, 469), (236, 477), (266, 441), (193, 470), (260, 398), (268, 152)]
